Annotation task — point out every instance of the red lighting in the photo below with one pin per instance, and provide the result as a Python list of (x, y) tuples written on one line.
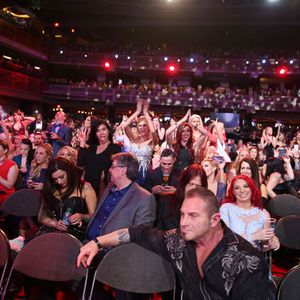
[(56, 24), (172, 68), (282, 71), (107, 66)]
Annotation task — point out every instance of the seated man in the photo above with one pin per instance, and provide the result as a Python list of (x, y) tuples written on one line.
[(123, 203), (162, 182), (210, 260)]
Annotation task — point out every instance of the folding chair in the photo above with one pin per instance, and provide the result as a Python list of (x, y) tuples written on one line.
[(285, 205), (132, 268), (50, 256), (23, 203), (289, 288), (4, 256)]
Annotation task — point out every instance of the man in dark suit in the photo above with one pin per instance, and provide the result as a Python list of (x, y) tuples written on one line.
[(38, 125), (123, 203), (162, 182), (59, 133)]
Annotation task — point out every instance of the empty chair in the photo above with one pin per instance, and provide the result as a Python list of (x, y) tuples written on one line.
[(51, 256), (284, 205), (23, 203), (287, 230), (289, 288), (4, 256), (132, 268)]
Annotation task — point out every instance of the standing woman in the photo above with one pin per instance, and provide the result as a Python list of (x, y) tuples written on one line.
[(8, 173), (96, 157), (183, 147), (142, 142), (18, 123), (268, 141), (69, 202), (39, 165), (216, 178)]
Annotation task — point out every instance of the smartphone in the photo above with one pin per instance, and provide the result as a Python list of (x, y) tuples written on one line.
[(281, 152), (218, 159)]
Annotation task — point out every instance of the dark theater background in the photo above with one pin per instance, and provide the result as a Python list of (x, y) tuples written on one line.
[(237, 61), (96, 56)]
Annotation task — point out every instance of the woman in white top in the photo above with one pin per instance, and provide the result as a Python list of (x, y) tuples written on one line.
[(242, 212)]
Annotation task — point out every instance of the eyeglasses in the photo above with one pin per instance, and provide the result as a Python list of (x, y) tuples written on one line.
[(113, 167)]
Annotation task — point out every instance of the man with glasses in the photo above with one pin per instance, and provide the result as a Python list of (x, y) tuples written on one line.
[(122, 204)]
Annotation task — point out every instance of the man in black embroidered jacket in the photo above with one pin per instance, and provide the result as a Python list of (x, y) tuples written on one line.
[(210, 260)]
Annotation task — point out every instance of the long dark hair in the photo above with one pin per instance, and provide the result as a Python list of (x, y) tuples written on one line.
[(253, 168), (30, 155), (186, 176), (73, 179), (93, 140), (177, 146)]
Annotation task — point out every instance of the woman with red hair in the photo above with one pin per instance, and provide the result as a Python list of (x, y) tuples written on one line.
[(243, 213)]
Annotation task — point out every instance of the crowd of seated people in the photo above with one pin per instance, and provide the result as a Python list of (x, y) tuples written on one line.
[(72, 168)]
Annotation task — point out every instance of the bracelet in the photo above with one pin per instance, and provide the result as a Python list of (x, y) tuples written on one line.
[(98, 243)]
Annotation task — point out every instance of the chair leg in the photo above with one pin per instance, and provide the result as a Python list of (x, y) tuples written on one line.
[(93, 284), (83, 297), (2, 276), (7, 283)]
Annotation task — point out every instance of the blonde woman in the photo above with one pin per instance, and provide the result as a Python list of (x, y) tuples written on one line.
[(68, 153), (39, 165)]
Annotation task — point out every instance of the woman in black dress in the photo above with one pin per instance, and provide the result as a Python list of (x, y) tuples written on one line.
[(96, 157), (69, 202)]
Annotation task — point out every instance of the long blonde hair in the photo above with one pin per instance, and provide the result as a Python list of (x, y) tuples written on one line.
[(35, 168)]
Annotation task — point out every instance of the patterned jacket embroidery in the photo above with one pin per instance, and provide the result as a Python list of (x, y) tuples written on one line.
[(234, 262), (175, 245)]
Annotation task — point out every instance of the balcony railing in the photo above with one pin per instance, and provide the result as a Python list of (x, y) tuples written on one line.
[(196, 100)]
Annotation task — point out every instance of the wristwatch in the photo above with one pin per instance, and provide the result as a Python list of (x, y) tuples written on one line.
[(98, 244)]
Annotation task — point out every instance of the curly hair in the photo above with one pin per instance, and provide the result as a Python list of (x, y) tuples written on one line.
[(255, 195)]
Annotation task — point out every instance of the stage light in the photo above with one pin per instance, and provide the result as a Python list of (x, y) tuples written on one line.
[(61, 52), (291, 62), (192, 60), (56, 24), (128, 57), (247, 62), (282, 71), (85, 55), (166, 58), (263, 61), (116, 56), (172, 68), (178, 60), (72, 30), (107, 65), (207, 61)]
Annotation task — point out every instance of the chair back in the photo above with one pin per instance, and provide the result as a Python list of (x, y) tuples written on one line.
[(23, 203), (4, 255), (289, 287), (132, 268), (51, 256), (287, 230), (285, 205)]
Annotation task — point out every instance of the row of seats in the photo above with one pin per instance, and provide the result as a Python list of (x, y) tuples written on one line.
[(143, 272)]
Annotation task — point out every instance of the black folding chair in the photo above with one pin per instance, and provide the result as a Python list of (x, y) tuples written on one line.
[(287, 230), (23, 203), (132, 268), (50, 256), (285, 205), (4, 257), (289, 287)]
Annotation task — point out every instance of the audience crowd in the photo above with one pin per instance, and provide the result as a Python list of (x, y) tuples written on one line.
[(140, 170)]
